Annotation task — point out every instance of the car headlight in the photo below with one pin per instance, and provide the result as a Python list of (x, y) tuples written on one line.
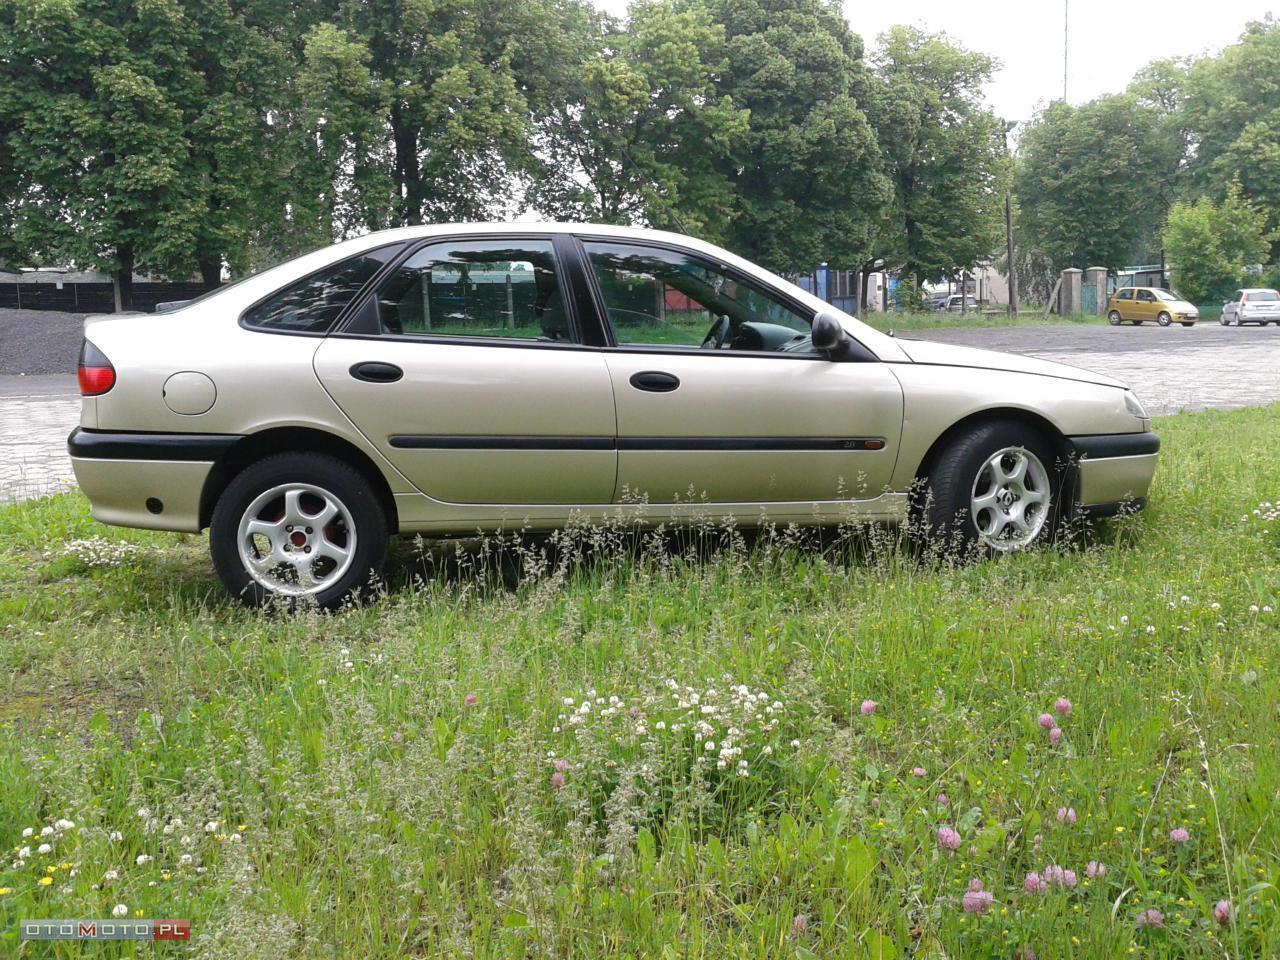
[(1134, 405)]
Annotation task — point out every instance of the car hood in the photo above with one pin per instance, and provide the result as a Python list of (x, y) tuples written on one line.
[(949, 355), (1180, 305)]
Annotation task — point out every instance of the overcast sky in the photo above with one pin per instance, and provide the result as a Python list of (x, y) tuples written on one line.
[(1110, 39)]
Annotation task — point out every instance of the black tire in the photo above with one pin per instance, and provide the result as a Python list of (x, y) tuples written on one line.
[(1113, 318), (942, 512), (1138, 323), (343, 482), (1164, 319), (1187, 323)]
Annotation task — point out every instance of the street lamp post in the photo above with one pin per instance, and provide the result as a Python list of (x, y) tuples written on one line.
[(1008, 228)]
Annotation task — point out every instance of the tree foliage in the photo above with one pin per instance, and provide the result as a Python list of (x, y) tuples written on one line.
[(1211, 243)]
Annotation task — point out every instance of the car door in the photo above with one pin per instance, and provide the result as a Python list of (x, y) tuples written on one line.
[(466, 368), (721, 397), (1145, 305)]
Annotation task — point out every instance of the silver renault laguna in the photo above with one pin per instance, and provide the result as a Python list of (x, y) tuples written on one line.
[(445, 380)]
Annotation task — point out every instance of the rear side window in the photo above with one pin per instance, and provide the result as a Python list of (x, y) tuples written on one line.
[(312, 304), (1125, 295)]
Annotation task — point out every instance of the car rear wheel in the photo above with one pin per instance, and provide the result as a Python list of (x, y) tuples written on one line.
[(1187, 323), (1224, 320), (996, 487), (1164, 319), (300, 529), (1113, 318)]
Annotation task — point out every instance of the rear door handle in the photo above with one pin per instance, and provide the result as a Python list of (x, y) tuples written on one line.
[(655, 381), (373, 371)]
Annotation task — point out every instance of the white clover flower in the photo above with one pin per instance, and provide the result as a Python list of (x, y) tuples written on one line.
[(235, 838), (1215, 606), (111, 875), (1253, 608), (24, 853), (1124, 621), (45, 831), (660, 725), (119, 910), (65, 824), (1150, 629), (795, 744), (185, 859), (143, 813), (168, 829), (27, 832), (767, 751), (142, 858), (709, 746), (44, 848), (211, 826), (115, 835)]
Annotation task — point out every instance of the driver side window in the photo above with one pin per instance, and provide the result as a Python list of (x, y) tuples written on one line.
[(665, 298)]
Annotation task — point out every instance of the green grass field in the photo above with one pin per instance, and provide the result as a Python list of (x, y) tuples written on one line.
[(629, 749), (948, 321)]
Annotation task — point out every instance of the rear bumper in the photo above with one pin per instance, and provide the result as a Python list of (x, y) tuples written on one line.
[(149, 480), (1114, 471)]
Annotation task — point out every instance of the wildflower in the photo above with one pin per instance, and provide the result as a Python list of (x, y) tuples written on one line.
[(943, 800), (469, 700), (119, 910), (975, 899), (795, 744), (1151, 630), (44, 848), (948, 839), (211, 826), (1062, 706), (560, 765), (1034, 883), (45, 881), (918, 771), (1047, 721), (143, 813), (1066, 815), (142, 858), (1151, 919), (24, 853), (111, 875), (868, 707), (1095, 870), (65, 824), (1179, 835), (1055, 736), (185, 859), (1056, 874), (557, 780), (115, 836), (5, 891), (1026, 953), (1222, 912), (799, 925), (27, 832), (45, 831)]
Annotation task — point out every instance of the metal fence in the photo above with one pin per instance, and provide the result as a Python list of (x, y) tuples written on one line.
[(91, 297)]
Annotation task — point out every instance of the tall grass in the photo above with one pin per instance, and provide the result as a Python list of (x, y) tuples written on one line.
[(711, 744)]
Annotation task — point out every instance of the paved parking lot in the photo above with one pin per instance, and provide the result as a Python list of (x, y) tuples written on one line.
[(1171, 369)]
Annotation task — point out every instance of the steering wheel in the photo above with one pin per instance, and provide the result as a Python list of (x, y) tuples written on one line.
[(717, 335)]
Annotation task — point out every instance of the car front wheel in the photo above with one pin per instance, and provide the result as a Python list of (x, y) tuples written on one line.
[(997, 486), (1164, 319), (298, 528), (1113, 318)]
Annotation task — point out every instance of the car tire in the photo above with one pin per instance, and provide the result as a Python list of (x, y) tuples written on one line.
[(1164, 319), (960, 491), (1187, 323), (1225, 321), (263, 514), (1113, 318), (1138, 323)]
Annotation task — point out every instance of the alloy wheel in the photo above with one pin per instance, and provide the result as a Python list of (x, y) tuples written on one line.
[(1009, 501), (296, 539)]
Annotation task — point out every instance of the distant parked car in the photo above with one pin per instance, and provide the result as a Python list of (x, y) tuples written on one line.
[(938, 301), (1254, 305), (953, 304), (1137, 305)]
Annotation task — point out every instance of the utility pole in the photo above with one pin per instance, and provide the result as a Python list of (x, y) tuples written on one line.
[(1066, 34), (1008, 229)]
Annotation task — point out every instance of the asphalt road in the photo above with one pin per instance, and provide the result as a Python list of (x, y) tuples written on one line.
[(1171, 369)]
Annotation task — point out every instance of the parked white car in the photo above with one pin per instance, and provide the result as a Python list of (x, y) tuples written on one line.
[(1258, 305), (444, 380)]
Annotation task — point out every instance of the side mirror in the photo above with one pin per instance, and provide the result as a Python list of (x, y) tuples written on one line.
[(827, 332)]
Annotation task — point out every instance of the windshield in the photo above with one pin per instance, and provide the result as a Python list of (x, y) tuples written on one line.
[(1167, 294)]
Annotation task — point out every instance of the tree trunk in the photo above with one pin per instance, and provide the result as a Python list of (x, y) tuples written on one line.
[(408, 169), (122, 279), (211, 272)]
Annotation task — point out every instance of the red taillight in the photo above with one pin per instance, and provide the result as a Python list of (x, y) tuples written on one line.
[(95, 372)]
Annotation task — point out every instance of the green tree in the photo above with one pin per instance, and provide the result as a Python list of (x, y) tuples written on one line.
[(1210, 244), (943, 151), (1089, 181), (806, 177), (1231, 110), (637, 136)]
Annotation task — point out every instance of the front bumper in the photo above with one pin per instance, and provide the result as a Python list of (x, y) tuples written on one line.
[(1114, 471), (148, 480)]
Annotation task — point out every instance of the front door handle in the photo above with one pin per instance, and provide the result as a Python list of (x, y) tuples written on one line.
[(373, 371), (655, 381)]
